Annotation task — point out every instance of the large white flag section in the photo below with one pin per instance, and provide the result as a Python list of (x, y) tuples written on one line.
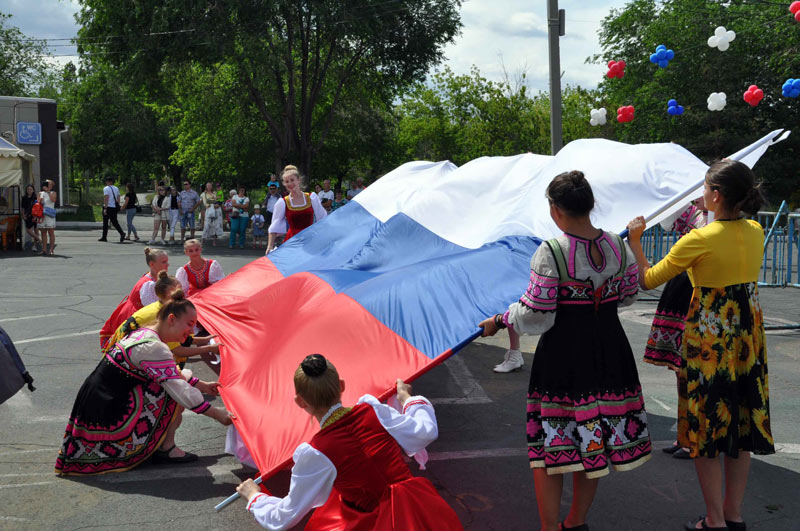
[(395, 281)]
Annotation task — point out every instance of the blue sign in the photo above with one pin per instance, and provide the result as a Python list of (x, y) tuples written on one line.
[(29, 133)]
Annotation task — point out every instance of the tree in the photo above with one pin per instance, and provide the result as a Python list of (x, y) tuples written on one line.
[(22, 66), (297, 62), (764, 53)]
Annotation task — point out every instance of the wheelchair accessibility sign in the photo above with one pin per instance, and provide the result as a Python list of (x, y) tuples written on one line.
[(29, 133)]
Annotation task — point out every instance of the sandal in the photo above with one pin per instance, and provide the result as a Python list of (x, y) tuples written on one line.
[(692, 526), (736, 526), (672, 448), (682, 453), (162, 457)]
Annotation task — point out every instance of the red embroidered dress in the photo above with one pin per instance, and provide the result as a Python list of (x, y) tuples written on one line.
[(127, 307), (198, 280), (298, 218)]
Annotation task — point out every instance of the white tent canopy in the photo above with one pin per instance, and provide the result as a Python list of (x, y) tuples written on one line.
[(12, 164)]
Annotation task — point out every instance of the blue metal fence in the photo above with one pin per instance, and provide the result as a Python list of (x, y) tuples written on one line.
[(781, 246)]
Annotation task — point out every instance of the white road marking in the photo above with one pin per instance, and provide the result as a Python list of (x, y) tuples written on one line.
[(50, 338), (659, 402), (20, 485), (16, 452), (478, 454), (14, 519), (463, 378), (30, 317)]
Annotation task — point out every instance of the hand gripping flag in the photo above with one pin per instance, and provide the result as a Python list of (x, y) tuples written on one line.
[(394, 282)]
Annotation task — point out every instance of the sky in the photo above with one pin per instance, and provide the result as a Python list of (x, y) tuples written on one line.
[(497, 36)]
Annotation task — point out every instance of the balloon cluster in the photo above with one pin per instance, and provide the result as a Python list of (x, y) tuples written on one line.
[(753, 95), (722, 38), (794, 9), (598, 117), (662, 57), (716, 101), (616, 69), (791, 88), (673, 109), (625, 114)]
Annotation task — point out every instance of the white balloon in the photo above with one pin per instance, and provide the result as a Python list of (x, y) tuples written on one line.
[(593, 122), (721, 38), (716, 101), (731, 35), (598, 116), (712, 42), (723, 45), (720, 31)]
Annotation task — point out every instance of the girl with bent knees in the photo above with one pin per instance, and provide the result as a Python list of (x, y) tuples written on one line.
[(129, 408)]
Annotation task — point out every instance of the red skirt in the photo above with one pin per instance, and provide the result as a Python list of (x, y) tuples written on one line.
[(411, 505)]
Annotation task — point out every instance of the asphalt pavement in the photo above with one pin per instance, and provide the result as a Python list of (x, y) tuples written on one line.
[(53, 306)]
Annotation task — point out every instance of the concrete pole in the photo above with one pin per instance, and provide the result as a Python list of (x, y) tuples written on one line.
[(555, 28)]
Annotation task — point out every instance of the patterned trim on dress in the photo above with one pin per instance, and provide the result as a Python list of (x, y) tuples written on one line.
[(417, 402), (664, 344), (306, 204), (201, 280), (201, 408), (250, 503), (566, 435), (161, 370), (193, 381), (691, 218), (542, 293)]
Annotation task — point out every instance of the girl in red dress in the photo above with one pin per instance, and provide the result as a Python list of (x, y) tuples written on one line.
[(199, 273), (297, 210), (353, 468), (142, 294)]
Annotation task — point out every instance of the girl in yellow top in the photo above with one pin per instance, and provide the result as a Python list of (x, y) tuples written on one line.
[(723, 404), (164, 287)]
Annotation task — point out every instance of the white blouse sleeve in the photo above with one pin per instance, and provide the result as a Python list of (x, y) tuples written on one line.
[(278, 225), (414, 428), (147, 293), (312, 480), (319, 210), (535, 312), (215, 274), (156, 359), (180, 274)]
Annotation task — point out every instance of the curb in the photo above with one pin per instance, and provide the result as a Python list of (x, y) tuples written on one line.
[(79, 225)]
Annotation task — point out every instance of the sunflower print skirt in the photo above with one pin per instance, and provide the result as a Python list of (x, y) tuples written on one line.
[(723, 404)]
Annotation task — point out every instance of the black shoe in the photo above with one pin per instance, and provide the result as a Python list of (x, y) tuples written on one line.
[(672, 449), (681, 453), (736, 526), (582, 527), (122, 239), (102, 240), (691, 526), (161, 457)]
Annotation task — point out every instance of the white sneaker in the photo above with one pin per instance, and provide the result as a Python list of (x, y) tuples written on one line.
[(512, 361), (151, 242), (162, 242)]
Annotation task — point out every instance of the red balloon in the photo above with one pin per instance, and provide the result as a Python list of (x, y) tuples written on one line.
[(616, 69), (795, 8), (797, 16), (753, 95), (625, 114)]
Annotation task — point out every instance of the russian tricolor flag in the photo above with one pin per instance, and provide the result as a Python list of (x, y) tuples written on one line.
[(394, 282)]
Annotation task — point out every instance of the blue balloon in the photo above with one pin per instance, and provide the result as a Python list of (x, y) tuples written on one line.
[(670, 55), (796, 84), (791, 88), (680, 109), (661, 47), (653, 58), (663, 64), (662, 56), (672, 103), (673, 108)]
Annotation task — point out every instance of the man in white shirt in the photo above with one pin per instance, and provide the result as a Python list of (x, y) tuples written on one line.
[(326, 195), (110, 209), (273, 196)]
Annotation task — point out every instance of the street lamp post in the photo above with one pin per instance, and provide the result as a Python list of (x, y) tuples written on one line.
[(555, 29)]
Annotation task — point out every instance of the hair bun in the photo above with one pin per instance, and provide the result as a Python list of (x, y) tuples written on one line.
[(147, 251), (314, 365), (162, 274), (178, 295)]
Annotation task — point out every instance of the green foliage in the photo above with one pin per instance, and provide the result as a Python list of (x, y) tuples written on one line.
[(297, 63), (463, 117), (23, 70), (764, 53)]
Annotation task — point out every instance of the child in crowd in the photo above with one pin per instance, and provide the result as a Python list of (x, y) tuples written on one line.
[(259, 234), (199, 273), (213, 222), (353, 468), (585, 405), (339, 201)]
